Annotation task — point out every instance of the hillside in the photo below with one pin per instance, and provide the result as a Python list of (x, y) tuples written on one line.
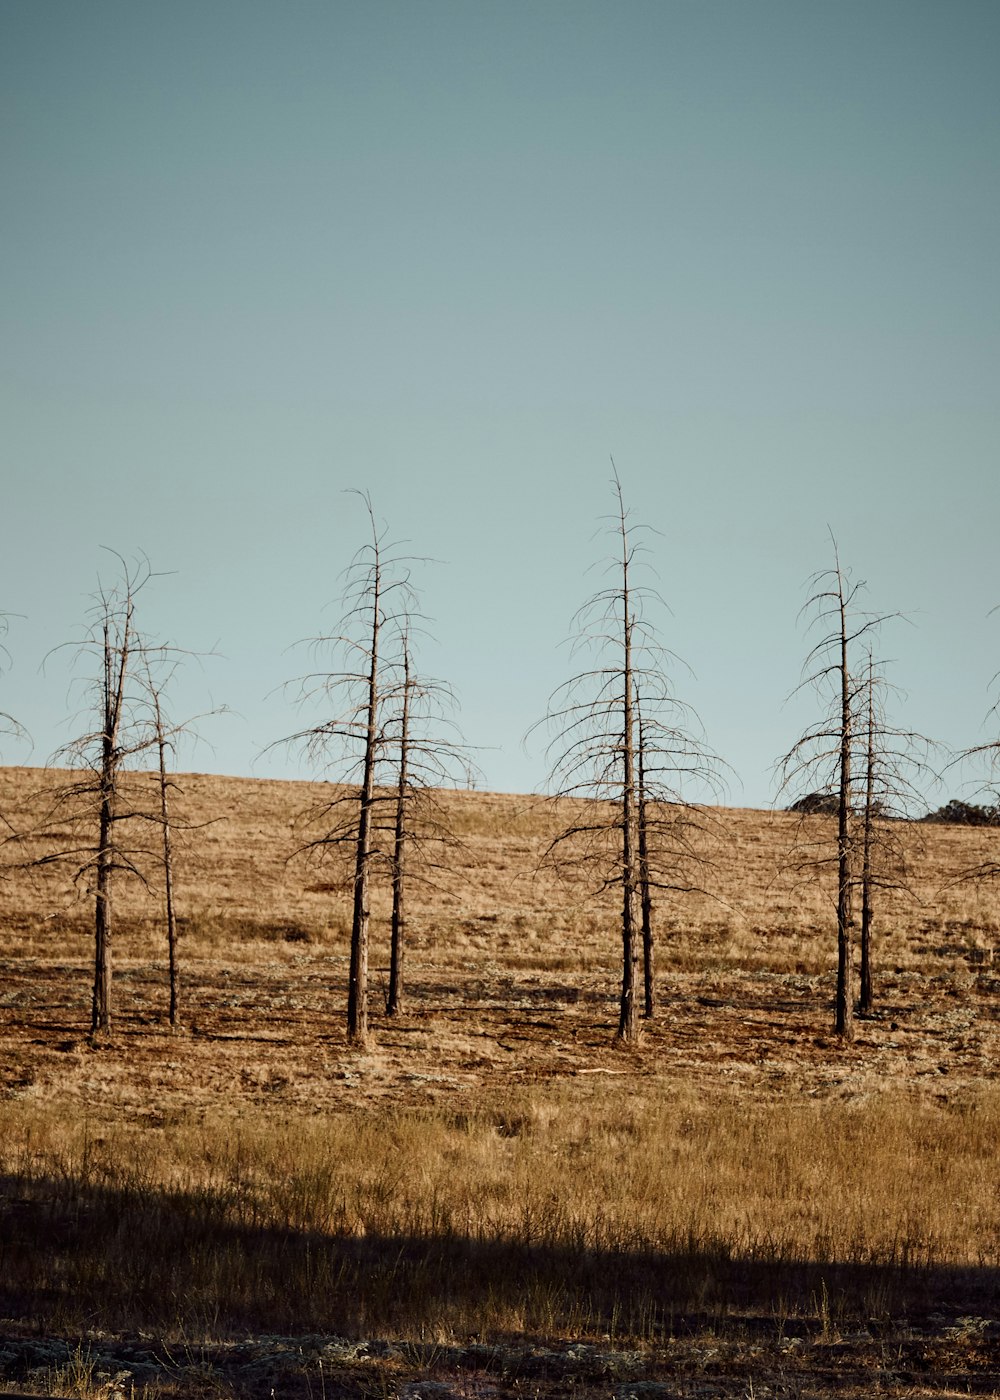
[(821, 1189), (512, 970)]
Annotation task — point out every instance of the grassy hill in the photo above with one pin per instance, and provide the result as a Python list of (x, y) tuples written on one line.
[(494, 1168)]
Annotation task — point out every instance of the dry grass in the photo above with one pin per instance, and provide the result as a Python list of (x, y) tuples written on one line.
[(493, 1167)]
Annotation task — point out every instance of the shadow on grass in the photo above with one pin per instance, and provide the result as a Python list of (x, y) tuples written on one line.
[(76, 1257)]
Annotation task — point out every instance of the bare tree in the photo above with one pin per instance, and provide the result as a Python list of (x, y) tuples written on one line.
[(164, 785), (394, 999), (106, 806), (95, 805), (867, 844), (825, 761), (895, 767), (645, 884), (624, 775), (162, 813), (360, 675), (429, 754), (386, 746)]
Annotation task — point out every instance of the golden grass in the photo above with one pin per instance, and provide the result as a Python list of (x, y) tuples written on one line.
[(237, 883), (492, 1164), (869, 1181), (543, 1212)]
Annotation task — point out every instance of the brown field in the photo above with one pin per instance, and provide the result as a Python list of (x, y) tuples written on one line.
[(494, 1199)]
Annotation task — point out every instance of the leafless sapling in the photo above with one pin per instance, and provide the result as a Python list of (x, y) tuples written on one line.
[(631, 828)]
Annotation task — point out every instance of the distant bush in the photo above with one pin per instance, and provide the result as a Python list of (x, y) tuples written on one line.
[(965, 814), (817, 804), (827, 804)]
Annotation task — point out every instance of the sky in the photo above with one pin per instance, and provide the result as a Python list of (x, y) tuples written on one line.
[(258, 257)]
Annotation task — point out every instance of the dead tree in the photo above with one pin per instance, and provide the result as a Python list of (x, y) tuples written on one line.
[(118, 646), (428, 753), (645, 885), (866, 998), (106, 806), (357, 997), (845, 850), (96, 806), (617, 771), (895, 766), (394, 999), (353, 745), (159, 664), (822, 761), (386, 747), (164, 786)]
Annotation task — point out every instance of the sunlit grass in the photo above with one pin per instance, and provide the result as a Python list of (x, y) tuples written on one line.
[(237, 882)]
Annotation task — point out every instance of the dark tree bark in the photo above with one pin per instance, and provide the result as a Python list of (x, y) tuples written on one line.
[(645, 887), (608, 753), (394, 1001), (103, 811), (845, 847), (118, 648), (168, 859), (822, 760), (379, 760), (357, 1000), (628, 1019), (866, 1000), (896, 766)]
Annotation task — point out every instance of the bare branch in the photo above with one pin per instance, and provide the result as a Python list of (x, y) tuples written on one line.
[(621, 742), (387, 740)]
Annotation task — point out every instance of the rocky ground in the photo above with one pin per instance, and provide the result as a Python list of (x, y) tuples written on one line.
[(933, 1356)]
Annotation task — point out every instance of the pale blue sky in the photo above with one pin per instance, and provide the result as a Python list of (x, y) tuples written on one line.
[(458, 254)]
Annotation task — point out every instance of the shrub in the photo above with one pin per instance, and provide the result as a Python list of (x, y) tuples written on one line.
[(965, 814)]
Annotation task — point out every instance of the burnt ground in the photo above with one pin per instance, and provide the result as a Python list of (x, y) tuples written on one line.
[(270, 1030)]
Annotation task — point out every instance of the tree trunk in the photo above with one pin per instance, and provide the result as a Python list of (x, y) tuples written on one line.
[(168, 865), (357, 997), (394, 1003), (845, 945), (646, 899), (116, 661), (100, 1019), (628, 1020), (866, 1000)]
